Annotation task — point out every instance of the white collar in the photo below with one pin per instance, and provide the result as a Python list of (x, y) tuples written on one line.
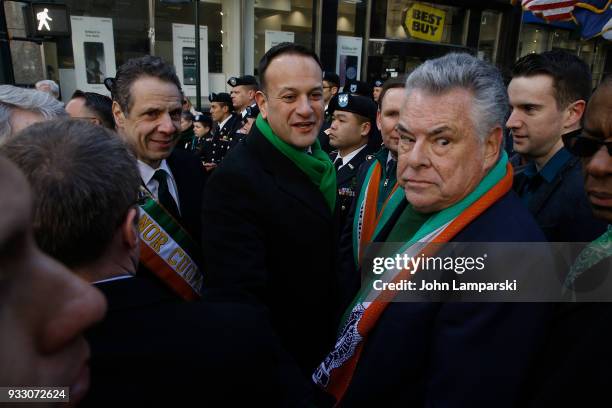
[(390, 157), (225, 121), (147, 172), (113, 279), (346, 159)]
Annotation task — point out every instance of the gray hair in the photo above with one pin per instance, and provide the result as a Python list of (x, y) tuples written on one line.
[(53, 87), (463, 71), (12, 97)]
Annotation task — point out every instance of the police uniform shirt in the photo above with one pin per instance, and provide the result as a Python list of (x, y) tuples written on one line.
[(222, 124), (346, 159), (147, 172), (244, 112)]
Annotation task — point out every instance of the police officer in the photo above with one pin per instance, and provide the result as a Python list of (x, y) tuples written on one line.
[(376, 88), (243, 93), (226, 122), (355, 87), (354, 119), (202, 126)]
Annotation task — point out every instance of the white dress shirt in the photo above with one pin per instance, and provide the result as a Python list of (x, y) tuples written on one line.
[(147, 172), (346, 159)]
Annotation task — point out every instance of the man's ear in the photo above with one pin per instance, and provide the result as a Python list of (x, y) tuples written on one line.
[(262, 103), (492, 146), (573, 114), (379, 120), (365, 128), (118, 115), (129, 228), (334, 90)]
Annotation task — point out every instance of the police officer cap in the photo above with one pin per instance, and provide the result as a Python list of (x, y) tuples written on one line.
[(223, 97), (243, 80), (360, 105), (378, 83), (358, 88), (331, 77), (206, 119)]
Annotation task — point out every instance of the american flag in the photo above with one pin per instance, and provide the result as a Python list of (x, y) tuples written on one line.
[(550, 10)]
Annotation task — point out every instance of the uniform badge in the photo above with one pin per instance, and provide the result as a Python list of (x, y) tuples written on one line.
[(343, 100), (353, 88)]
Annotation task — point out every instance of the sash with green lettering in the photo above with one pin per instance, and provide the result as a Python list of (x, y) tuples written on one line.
[(167, 250)]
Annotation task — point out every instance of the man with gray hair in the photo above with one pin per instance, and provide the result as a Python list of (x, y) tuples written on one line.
[(457, 183), (20, 107), (49, 86)]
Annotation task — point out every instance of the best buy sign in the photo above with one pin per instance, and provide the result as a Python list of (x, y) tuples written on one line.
[(425, 22)]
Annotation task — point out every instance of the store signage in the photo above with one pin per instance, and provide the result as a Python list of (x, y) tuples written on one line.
[(93, 47), (49, 20), (425, 22)]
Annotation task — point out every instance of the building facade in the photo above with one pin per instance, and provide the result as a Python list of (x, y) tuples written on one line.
[(361, 39)]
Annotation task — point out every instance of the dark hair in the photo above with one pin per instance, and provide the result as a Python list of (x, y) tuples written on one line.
[(101, 105), (280, 49), (84, 180), (397, 82), (187, 115), (132, 70), (571, 75)]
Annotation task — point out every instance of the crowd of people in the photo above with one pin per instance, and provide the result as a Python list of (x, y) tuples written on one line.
[(155, 254)]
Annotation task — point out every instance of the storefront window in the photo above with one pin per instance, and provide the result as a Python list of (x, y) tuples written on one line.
[(210, 16), (489, 35), (27, 57), (420, 20), (351, 18), (281, 20)]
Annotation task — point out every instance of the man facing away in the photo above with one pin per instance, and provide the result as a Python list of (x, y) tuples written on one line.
[(86, 185)]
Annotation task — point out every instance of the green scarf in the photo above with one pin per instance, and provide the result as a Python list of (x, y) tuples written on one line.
[(594, 253), (318, 167)]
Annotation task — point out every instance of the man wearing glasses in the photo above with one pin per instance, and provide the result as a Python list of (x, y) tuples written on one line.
[(548, 95), (577, 356)]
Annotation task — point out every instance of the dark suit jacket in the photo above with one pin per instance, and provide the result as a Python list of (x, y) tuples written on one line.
[(455, 354), (573, 369), (190, 178), (268, 230), (152, 349), (561, 208)]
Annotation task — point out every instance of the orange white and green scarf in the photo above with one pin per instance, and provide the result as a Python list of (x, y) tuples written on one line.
[(334, 374)]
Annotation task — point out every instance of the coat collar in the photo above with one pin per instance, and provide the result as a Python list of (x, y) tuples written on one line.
[(287, 175)]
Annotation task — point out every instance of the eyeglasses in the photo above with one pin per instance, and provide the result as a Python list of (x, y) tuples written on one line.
[(584, 146)]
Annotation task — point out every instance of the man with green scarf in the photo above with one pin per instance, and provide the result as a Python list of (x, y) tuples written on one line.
[(269, 218), (457, 184)]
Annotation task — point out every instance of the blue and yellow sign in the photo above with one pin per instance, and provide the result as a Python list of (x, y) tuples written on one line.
[(425, 22)]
